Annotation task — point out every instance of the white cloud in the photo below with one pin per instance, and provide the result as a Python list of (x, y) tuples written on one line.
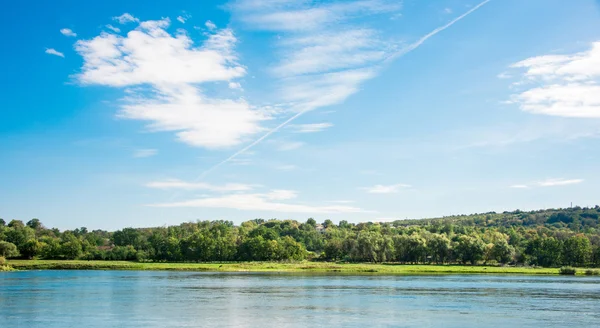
[(68, 32), (281, 194), (52, 51), (183, 18), (309, 128), (559, 182), (323, 54), (168, 70), (197, 120), (564, 85), (234, 86), (125, 18), (448, 10), (175, 184), (112, 28), (150, 55), (548, 183), (386, 189), (269, 202), (296, 22), (141, 153), (330, 51), (210, 25)]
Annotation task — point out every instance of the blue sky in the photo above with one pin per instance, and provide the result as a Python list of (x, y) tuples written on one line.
[(120, 114)]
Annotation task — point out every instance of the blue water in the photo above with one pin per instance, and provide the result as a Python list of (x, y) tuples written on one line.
[(178, 299)]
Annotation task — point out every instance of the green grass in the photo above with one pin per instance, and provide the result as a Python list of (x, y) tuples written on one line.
[(316, 267)]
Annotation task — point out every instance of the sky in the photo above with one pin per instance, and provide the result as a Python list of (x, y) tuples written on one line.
[(128, 114)]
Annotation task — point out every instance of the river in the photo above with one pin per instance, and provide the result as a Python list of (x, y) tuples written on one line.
[(63, 299)]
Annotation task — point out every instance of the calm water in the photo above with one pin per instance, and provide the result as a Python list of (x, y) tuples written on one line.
[(177, 299)]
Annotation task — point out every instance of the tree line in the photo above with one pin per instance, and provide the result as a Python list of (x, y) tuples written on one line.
[(548, 238)]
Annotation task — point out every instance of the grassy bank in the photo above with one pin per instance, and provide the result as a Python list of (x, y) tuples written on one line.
[(275, 267)]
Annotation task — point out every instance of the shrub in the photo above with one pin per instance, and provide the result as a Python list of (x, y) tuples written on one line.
[(567, 271), (2, 260), (590, 272)]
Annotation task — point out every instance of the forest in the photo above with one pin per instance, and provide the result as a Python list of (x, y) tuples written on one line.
[(545, 238)]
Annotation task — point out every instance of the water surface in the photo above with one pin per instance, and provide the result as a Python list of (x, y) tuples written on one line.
[(62, 299)]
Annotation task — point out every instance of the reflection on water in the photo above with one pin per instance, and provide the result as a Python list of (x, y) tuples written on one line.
[(177, 299)]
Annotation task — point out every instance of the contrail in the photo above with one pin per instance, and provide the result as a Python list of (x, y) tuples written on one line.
[(254, 143), (398, 54), (419, 42)]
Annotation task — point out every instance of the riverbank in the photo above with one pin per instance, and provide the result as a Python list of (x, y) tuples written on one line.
[(318, 267)]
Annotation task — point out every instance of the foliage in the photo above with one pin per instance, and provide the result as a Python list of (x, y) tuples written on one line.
[(548, 238), (8, 250), (567, 271)]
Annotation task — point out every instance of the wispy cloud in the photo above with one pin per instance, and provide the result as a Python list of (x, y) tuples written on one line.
[(183, 18), (125, 18), (548, 183), (234, 86), (68, 32), (559, 182), (309, 128), (171, 98), (304, 85), (142, 153), (265, 202), (386, 189), (51, 51), (175, 184), (113, 28), (561, 85), (210, 25)]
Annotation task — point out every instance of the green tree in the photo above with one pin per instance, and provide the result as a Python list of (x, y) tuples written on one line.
[(410, 248), (470, 249), (438, 246), (34, 224), (8, 250), (577, 251), (70, 248), (546, 252), (501, 251), (334, 248), (32, 248)]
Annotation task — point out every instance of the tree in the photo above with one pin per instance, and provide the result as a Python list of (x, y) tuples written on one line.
[(16, 224), (470, 249), (411, 248), (70, 248), (31, 248), (501, 251), (8, 249), (19, 234), (546, 252), (438, 246), (369, 246), (577, 251), (127, 236), (596, 256), (2, 223), (34, 224)]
